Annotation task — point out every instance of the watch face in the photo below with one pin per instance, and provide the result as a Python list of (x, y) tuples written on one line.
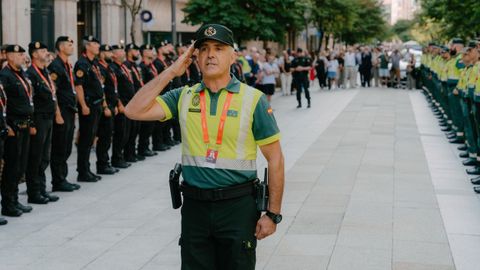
[(278, 219)]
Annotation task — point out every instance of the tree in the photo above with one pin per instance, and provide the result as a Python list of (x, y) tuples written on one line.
[(456, 18), (402, 29), (352, 21), (250, 19), (134, 7)]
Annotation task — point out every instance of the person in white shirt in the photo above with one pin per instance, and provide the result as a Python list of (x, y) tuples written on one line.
[(332, 69), (269, 71), (350, 67)]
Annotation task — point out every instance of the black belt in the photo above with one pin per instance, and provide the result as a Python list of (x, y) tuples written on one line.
[(220, 193)]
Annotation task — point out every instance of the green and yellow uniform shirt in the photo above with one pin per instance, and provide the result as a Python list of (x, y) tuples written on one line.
[(249, 123)]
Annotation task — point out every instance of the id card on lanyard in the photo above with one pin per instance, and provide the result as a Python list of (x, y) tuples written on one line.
[(211, 155)]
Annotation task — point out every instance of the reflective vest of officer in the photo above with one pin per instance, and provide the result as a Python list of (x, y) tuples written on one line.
[(455, 66), (220, 132), (246, 68)]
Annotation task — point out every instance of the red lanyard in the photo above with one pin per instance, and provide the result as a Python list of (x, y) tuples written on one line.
[(70, 73), (127, 73), (48, 82), (114, 77), (27, 91), (154, 70), (135, 71), (223, 118), (3, 101)]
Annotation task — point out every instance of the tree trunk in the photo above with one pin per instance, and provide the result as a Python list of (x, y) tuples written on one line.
[(132, 28)]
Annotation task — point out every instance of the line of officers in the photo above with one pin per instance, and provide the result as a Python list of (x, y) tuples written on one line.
[(451, 77), (40, 105)]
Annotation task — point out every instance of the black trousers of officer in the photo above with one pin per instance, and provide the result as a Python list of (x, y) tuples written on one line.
[(88, 125), (302, 84), (158, 134), (120, 137), (16, 157), (366, 76), (104, 134), (146, 131), (39, 154), (219, 235), (62, 143), (129, 150)]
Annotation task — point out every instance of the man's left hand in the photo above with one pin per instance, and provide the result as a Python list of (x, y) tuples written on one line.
[(265, 227)]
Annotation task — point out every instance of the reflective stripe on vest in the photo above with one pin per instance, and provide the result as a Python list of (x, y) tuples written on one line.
[(239, 149)]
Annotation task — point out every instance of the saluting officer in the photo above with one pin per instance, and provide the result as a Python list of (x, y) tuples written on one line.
[(149, 72), (133, 55), (61, 72), (89, 87), (105, 126), (161, 130), (3, 131), (220, 221), (18, 90), (126, 90), (45, 103)]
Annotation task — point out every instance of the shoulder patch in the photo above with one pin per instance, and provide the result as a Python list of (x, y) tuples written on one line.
[(79, 73), (54, 76)]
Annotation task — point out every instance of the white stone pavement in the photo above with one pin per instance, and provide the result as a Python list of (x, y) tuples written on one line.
[(371, 184)]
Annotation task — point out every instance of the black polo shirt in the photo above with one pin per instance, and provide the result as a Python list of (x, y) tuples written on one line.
[(18, 89), (126, 90), (110, 84), (62, 75), (43, 98), (88, 75)]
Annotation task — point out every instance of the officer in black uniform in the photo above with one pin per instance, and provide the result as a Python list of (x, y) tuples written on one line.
[(3, 131), (126, 91), (89, 87), (158, 137), (174, 137), (19, 116), (192, 73), (132, 52), (301, 66), (148, 71), (45, 103), (105, 126), (61, 72)]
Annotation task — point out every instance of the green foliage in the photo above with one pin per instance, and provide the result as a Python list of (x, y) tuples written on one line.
[(456, 18), (354, 21), (402, 29), (251, 19)]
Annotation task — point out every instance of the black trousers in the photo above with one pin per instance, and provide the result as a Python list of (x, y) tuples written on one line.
[(146, 131), (129, 150), (39, 154), (62, 143), (366, 76), (104, 134), (121, 132), (88, 125), (16, 157), (158, 136), (219, 235), (302, 84)]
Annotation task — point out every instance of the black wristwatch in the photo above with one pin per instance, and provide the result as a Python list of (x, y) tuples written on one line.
[(276, 218)]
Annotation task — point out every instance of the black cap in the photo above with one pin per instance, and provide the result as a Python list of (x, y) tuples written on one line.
[(445, 49), (146, 47), (131, 46), (35, 45), (91, 39), (118, 47), (457, 41), (105, 48), (216, 32), (14, 48), (473, 44), (62, 39)]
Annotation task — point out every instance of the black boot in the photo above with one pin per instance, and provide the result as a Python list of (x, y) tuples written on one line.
[(463, 154), (476, 180), (473, 171), (457, 140), (462, 148), (470, 162)]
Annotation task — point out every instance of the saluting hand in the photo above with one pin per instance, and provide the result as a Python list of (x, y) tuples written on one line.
[(183, 62)]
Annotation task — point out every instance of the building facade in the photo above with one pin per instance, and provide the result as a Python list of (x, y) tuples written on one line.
[(25, 20), (396, 10)]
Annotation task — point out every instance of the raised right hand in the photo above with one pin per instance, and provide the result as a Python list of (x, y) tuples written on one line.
[(183, 62)]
